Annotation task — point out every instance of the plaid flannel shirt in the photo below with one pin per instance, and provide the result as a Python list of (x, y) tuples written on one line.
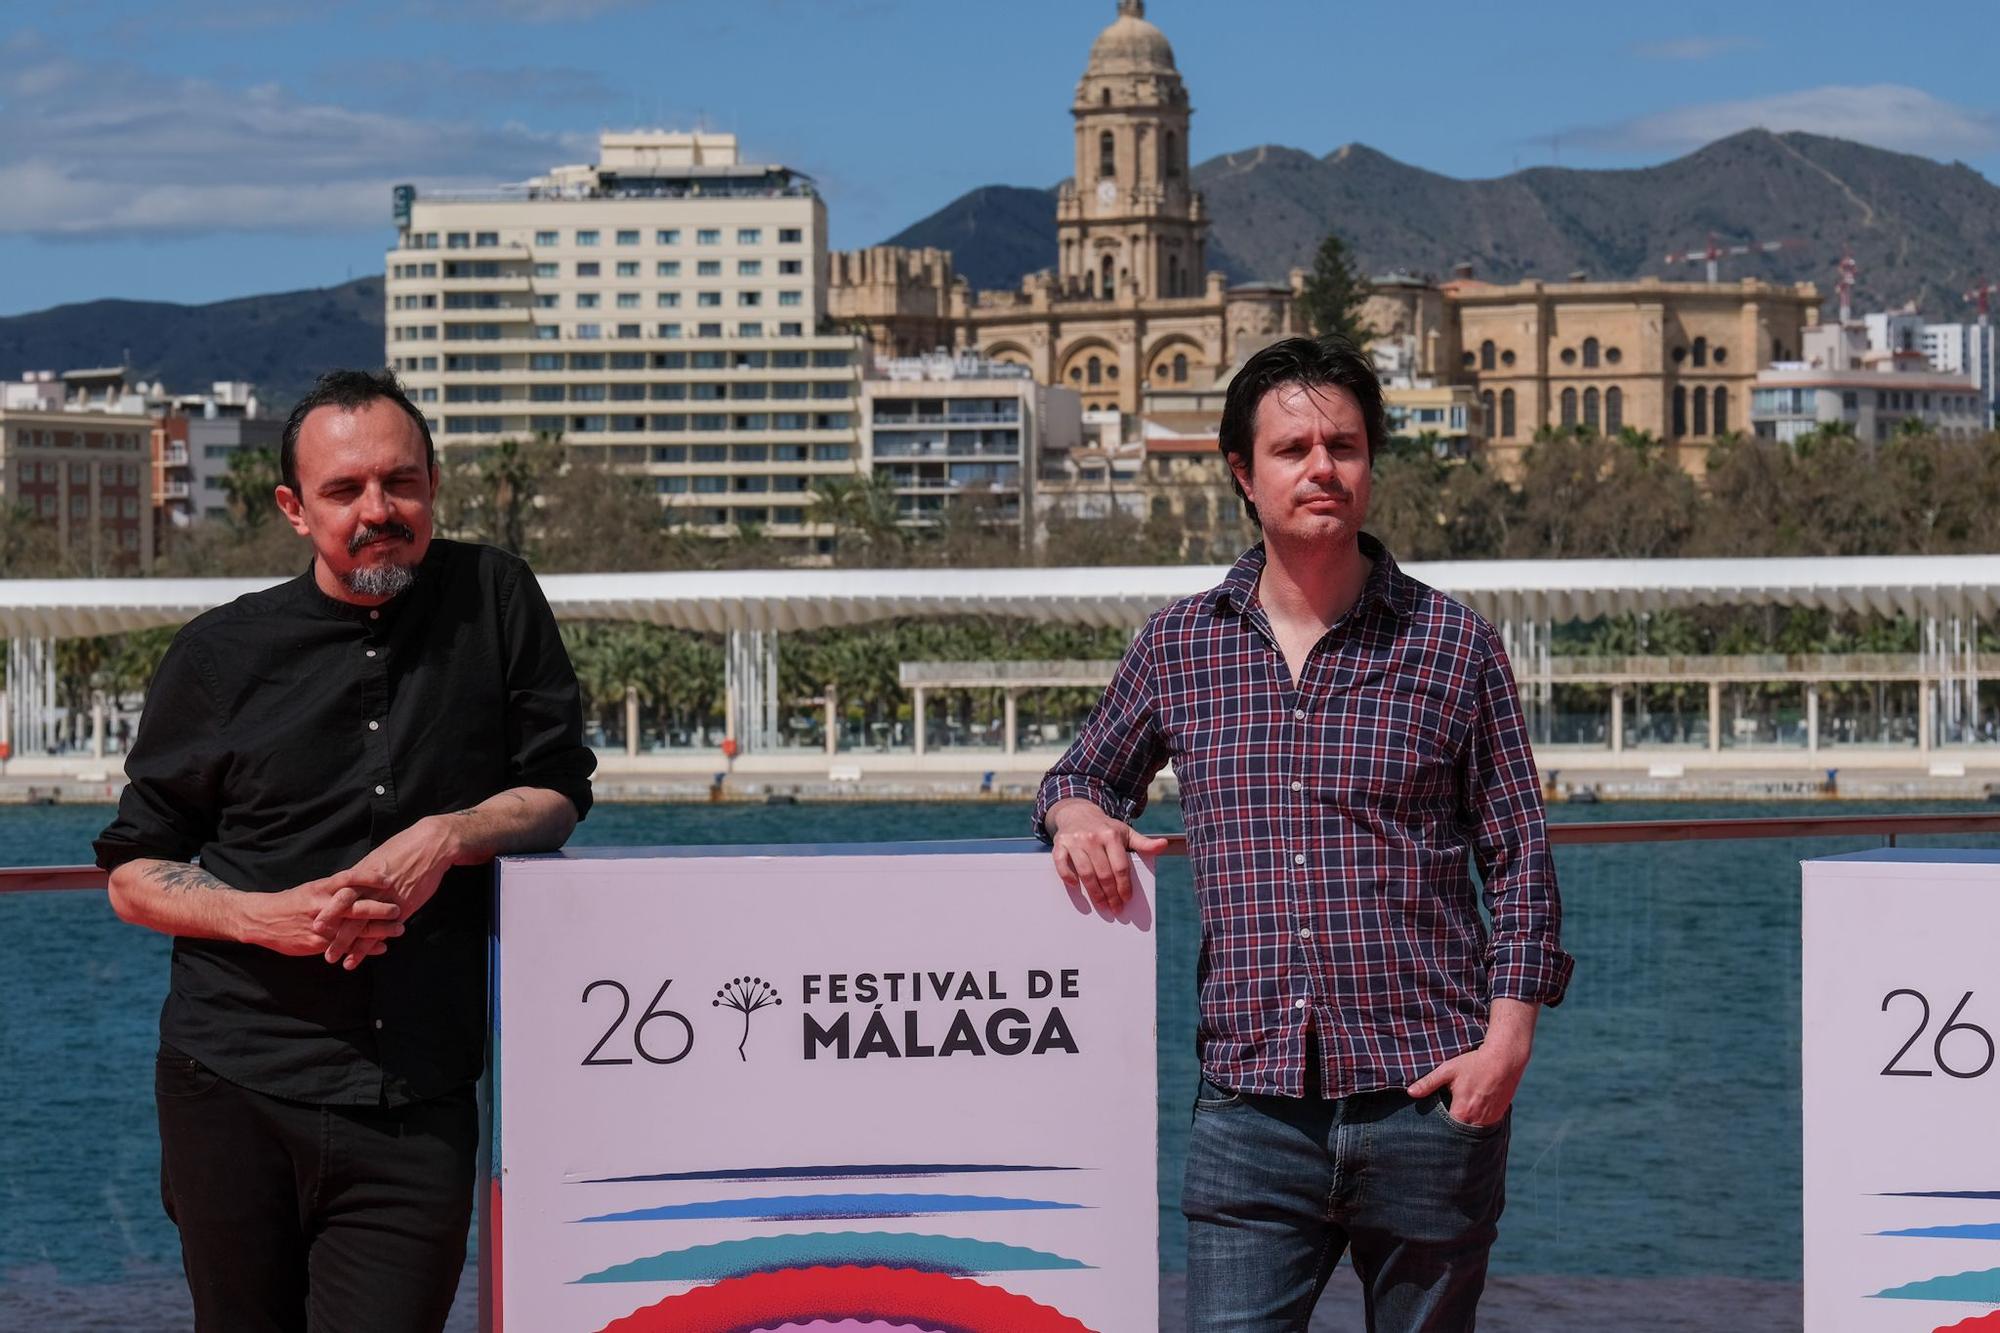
[(1333, 824)]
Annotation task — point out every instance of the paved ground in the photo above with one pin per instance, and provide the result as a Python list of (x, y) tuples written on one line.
[(1512, 1305)]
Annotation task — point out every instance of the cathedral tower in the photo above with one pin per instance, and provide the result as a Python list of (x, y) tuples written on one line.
[(1130, 224)]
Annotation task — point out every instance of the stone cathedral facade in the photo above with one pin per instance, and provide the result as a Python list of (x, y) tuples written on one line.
[(1130, 303)]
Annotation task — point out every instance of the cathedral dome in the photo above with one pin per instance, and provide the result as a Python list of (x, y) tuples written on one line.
[(1131, 45)]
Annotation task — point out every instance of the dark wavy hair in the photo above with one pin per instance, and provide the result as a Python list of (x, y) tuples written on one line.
[(1315, 363), (347, 390)]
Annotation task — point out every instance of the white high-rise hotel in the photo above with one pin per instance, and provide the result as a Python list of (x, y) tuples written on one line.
[(662, 306)]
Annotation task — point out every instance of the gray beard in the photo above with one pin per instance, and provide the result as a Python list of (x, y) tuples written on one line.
[(378, 580)]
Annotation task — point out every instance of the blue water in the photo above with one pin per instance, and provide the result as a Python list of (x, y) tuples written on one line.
[(1657, 1134)]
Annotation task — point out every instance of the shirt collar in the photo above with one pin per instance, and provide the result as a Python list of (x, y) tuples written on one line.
[(1387, 584)]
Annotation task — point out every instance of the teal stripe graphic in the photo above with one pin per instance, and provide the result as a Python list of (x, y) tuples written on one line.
[(836, 1249)]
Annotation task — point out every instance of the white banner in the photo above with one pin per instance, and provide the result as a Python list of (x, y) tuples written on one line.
[(1901, 1004), (805, 1086)]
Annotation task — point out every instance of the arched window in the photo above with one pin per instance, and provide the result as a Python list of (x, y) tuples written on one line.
[(1486, 354), (1094, 371), (1700, 355), (1614, 410), (1680, 410), (1721, 410), (1590, 420), (1180, 367), (1172, 145), (1590, 351), (1173, 275), (1487, 417), (1110, 283), (1107, 155), (1506, 414), (1197, 511), (1569, 407), (1104, 98), (1701, 410)]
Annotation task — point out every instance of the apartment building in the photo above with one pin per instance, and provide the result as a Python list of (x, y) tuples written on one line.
[(87, 472), (195, 435), (660, 309), (961, 431)]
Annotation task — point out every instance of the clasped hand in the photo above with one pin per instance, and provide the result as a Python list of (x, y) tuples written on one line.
[(384, 889)]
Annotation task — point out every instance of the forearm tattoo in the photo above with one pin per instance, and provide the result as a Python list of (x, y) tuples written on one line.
[(176, 876)]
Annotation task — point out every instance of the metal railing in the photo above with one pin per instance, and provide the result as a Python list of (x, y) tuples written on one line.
[(29, 879)]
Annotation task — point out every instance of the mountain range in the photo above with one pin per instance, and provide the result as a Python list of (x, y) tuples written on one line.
[(1919, 230)]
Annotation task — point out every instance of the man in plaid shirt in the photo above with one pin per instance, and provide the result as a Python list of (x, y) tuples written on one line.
[(1349, 744)]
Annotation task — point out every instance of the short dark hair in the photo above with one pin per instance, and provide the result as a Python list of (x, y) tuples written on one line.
[(347, 390), (1332, 361)]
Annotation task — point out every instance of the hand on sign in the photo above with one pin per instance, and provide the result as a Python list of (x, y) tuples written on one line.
[(1093, 851)]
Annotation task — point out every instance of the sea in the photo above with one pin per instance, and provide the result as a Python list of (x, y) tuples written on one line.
[(1655, 1173)]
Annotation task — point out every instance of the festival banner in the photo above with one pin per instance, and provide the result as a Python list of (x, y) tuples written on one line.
[(822, 1087), (1901, 1001)]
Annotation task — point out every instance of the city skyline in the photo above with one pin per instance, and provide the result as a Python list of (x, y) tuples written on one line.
[(161, 151)]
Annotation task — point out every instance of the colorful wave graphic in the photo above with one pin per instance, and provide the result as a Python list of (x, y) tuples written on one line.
[(937, 1302), (1979, 1323), (856, 1172), (1973, 1288), (832, 1207), (1963, 1231), (1940, 1194), (833, 1249)]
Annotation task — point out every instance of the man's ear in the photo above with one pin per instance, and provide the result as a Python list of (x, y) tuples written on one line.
[(293, 509), (1239, 468)]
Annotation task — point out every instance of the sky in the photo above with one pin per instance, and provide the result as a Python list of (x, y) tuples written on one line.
[(166, 150)]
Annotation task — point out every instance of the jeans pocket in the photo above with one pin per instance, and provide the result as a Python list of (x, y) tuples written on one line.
[(1470, 1131), (1209, 1097), (178, 1077)]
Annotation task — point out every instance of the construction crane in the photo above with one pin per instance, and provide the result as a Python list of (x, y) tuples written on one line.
[(1716, 252), (1981, 294)]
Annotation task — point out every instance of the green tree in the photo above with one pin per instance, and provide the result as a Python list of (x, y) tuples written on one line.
[(1335, 293), (248, 487)]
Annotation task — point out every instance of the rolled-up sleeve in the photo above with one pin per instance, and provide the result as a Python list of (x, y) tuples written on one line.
[(1525, 959), (170, 805), (1114, 757), (544, 707)]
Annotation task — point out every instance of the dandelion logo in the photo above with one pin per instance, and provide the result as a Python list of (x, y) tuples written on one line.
[(746, 995)]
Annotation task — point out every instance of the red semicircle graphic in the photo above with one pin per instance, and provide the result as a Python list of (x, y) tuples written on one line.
[(1979, 1323), (941, 1302)]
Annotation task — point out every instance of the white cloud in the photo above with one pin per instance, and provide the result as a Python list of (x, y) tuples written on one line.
[(1694, 48), (1886, 115), (93, 150)]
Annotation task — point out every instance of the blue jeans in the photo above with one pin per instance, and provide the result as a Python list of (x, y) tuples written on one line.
[(1278, 1187)]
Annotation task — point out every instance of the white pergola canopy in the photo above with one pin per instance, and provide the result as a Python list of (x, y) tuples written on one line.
[(792, 599)]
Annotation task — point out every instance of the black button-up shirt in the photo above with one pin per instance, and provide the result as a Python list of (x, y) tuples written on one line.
[(285, 736)]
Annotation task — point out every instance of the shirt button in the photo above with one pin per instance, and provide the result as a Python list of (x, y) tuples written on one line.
[(374, 726), (1298, 786), (1298, 858), (375, 615), (1299, 1003), (380, 790), (378, 1022), (1299, 713), (1305, 933), (371, 652)]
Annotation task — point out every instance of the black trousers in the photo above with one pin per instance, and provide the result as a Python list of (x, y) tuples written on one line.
[(297, 1218)]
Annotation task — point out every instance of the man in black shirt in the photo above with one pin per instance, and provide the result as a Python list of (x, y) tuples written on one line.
[(344, 753)]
